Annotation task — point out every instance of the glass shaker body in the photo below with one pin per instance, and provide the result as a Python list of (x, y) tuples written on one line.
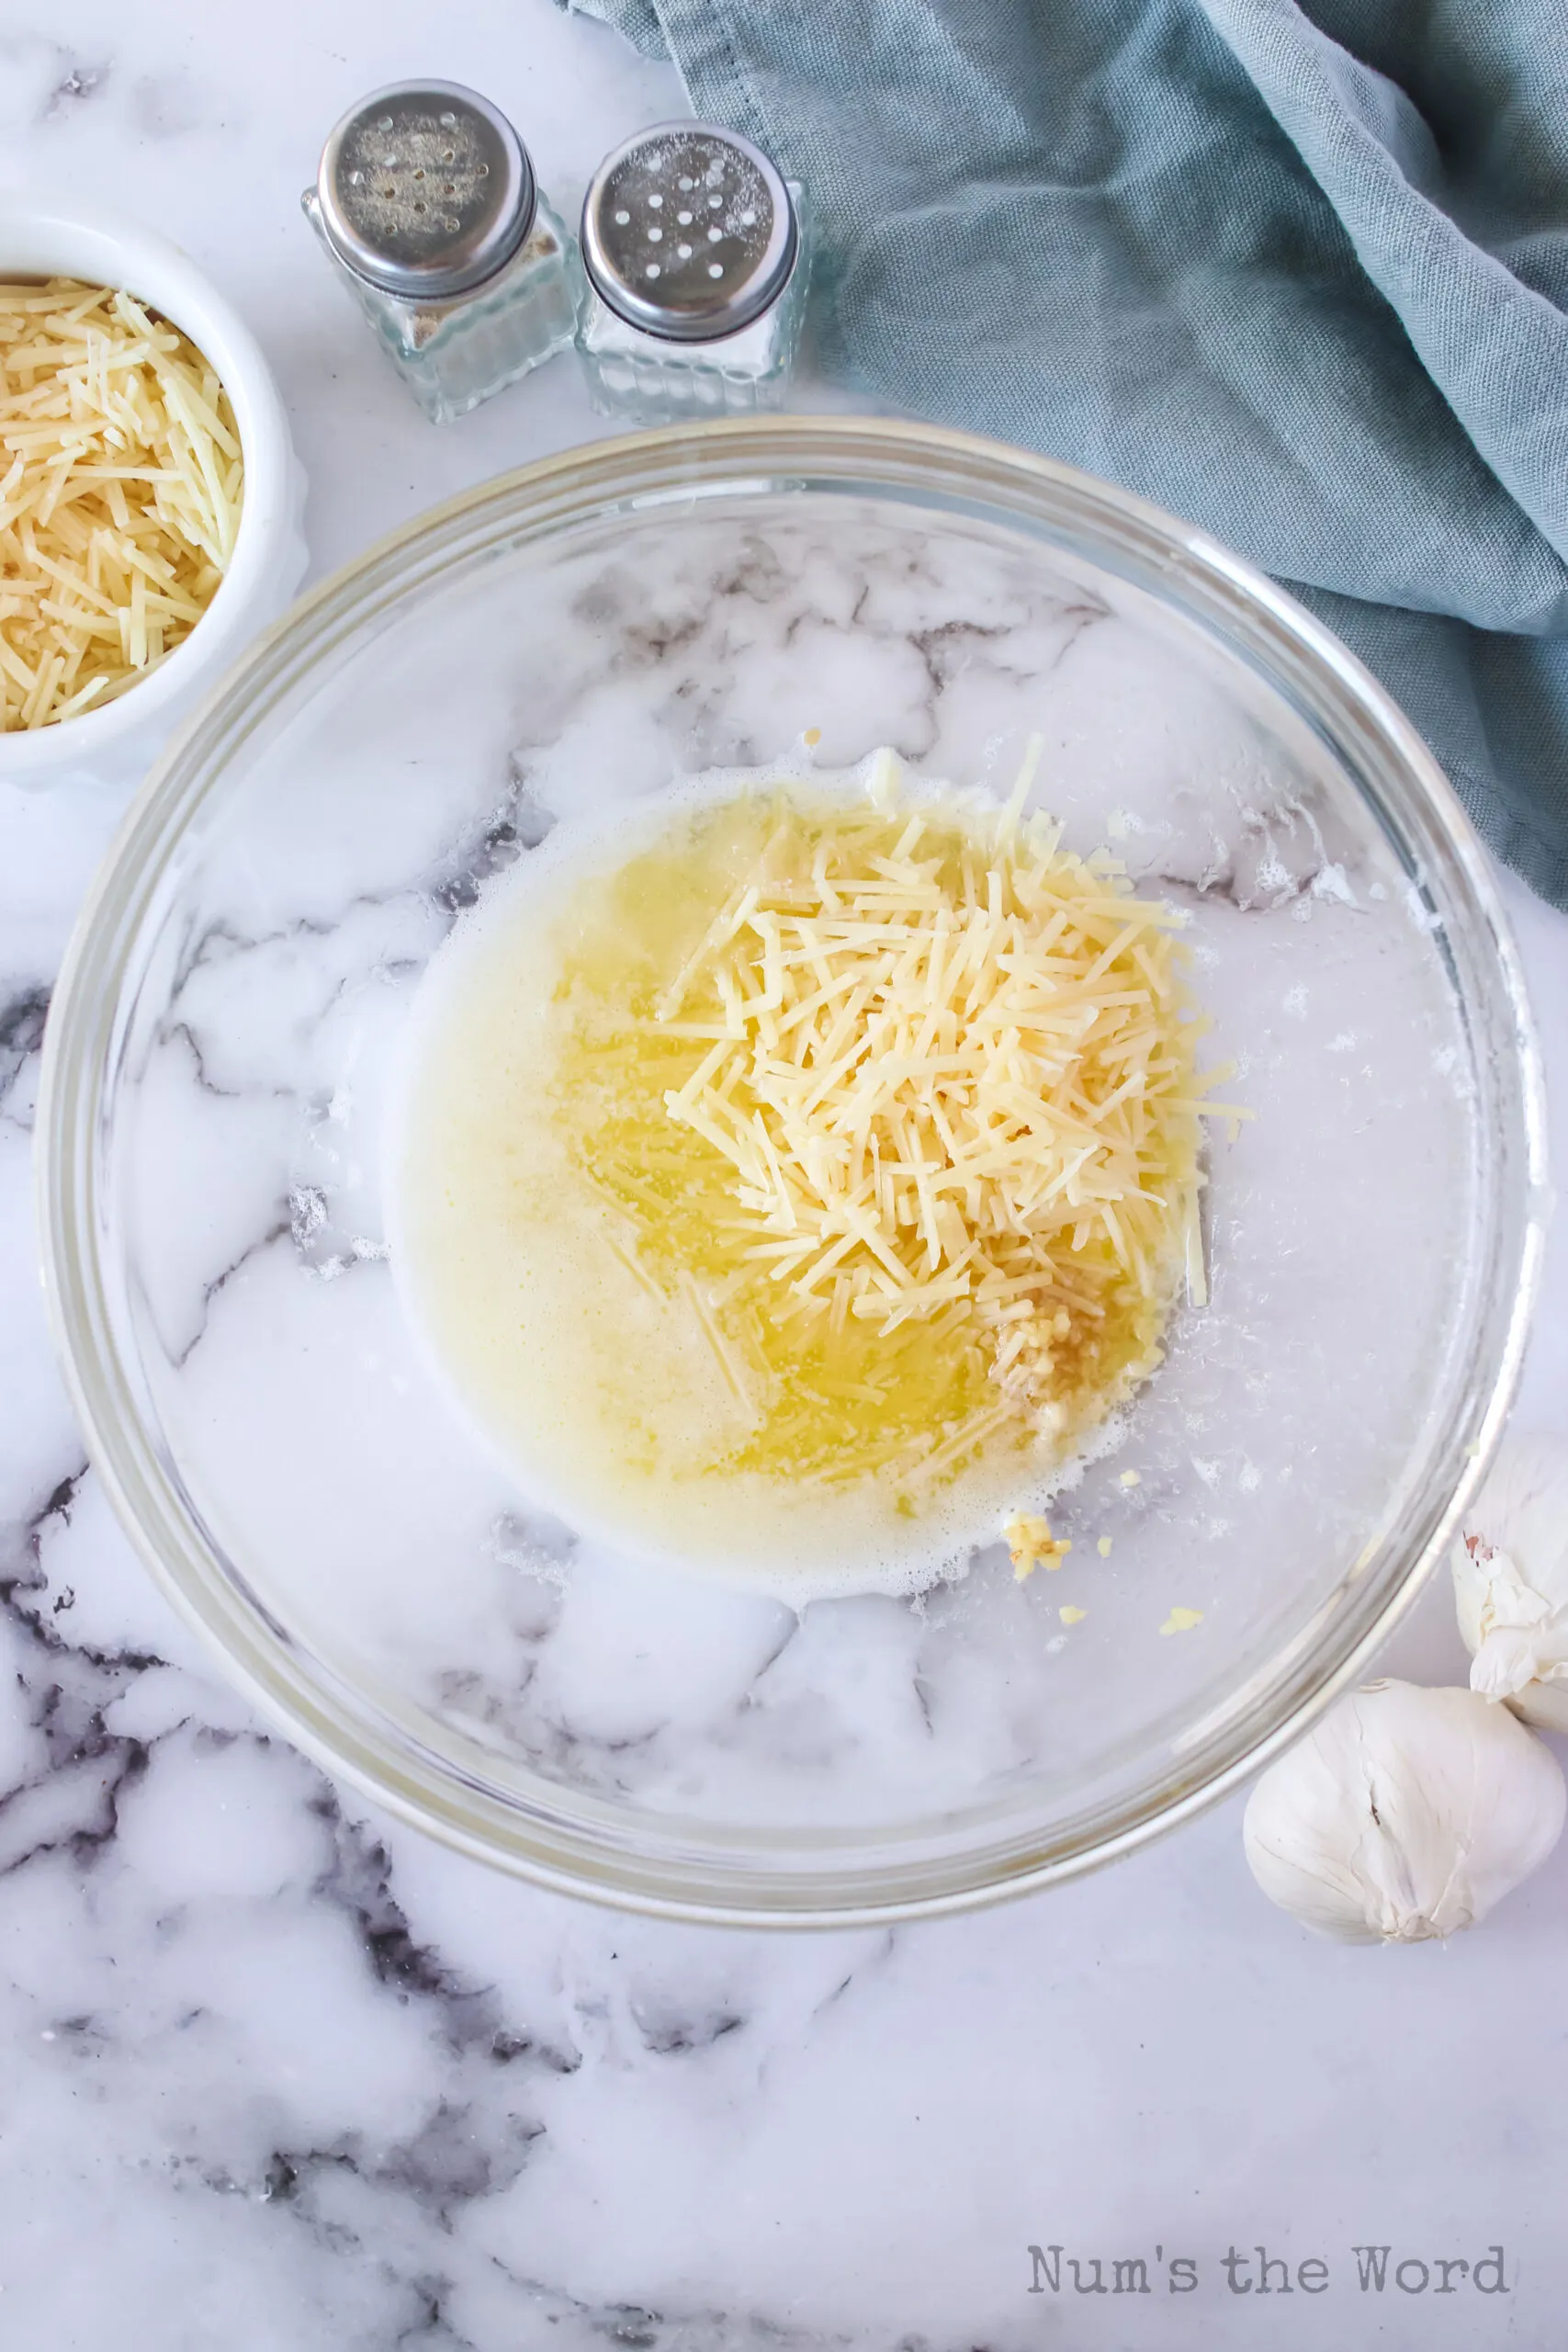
[(426, 204), (651, 381), (454, 354), (694, 272)]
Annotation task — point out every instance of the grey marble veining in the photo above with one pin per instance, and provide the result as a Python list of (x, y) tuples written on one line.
[(279, 2076)]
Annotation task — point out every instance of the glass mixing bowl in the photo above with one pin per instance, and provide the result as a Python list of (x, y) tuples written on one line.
[(227, 1035)]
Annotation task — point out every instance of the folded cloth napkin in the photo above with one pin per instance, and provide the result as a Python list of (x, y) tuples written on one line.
[(1298, 272)]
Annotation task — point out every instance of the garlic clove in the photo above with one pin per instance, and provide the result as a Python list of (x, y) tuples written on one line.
[(1544, 1705), (1510, 1574), (1404, 1816)]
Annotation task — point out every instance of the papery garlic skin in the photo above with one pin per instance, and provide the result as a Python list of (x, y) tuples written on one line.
[(1511, 1572), (1404, 1816)]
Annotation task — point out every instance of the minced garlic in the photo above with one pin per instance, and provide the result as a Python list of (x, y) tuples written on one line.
[(1182, 1621), (120, 485), (1031, 1545)]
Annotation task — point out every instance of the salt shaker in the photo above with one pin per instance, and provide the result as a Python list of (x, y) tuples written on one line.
[(427, 205), (694, 256)]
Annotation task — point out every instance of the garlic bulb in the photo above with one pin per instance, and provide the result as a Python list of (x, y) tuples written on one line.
[(1510, 1570), (1405, 1815)]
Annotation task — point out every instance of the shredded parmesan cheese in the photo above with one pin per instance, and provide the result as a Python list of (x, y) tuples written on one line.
[(908, 1095), (120, 485)]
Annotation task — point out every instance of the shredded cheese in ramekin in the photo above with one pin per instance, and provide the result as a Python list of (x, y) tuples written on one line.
[(120, 495)]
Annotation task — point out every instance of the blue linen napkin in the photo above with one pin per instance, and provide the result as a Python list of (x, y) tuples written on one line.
[(1300, 274)]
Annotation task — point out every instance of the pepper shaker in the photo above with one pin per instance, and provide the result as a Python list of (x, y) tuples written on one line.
[(427, 205), (695, 254)]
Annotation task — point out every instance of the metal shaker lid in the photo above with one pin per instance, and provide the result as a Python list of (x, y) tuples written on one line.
[(425, 189), (688, 232)]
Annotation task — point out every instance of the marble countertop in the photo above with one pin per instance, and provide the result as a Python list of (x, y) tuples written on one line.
[(277, 2075)]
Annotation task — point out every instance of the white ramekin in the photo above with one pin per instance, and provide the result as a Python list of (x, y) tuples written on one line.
[(52, 236)]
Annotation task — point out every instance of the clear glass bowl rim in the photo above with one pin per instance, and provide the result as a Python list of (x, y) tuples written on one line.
[(858, 1878)]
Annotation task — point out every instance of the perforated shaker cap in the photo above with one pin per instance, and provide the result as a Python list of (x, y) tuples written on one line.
[(425, 189), (688, 232)]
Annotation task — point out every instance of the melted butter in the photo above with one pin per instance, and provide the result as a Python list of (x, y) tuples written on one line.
[(578, 1264)]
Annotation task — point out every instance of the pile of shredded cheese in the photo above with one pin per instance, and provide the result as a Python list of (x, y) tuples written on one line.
[(915, 1119), (120, 499)]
